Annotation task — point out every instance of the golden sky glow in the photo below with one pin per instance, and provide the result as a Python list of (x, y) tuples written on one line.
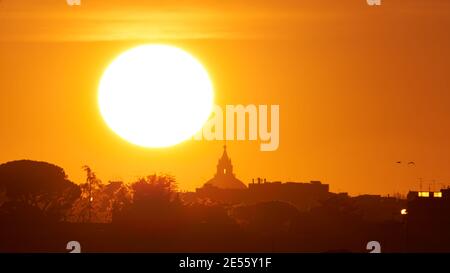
[(359, 88)]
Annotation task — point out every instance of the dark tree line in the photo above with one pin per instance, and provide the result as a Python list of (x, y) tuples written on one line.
[(31, 190), (36, 190), (40, 208)]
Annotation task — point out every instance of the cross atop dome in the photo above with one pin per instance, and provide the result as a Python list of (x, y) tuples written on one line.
[(224, 165), (225, 155), (224, 177)]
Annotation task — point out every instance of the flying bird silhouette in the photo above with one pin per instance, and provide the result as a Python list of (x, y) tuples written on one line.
[(411, 163)]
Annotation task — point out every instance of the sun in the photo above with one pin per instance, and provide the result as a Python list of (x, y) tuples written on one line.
[(155, 95)]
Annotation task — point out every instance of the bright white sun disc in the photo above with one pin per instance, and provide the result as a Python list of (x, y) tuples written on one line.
[(155, 95)]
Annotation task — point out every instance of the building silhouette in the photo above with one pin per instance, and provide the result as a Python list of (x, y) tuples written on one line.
[(224, 177), (302, 195), (224, 187), (428, 221)]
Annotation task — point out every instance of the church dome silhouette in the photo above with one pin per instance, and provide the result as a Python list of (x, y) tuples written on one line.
[(224, 177)]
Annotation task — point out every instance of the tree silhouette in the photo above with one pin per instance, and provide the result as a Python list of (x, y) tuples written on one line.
[(98, 200), (154, 188), (155, 200), (36, 186)]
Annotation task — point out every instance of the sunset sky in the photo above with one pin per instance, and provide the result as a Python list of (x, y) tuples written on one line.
[(359, 87)]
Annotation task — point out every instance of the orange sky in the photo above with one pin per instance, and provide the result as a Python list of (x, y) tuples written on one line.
[(359, 87)]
